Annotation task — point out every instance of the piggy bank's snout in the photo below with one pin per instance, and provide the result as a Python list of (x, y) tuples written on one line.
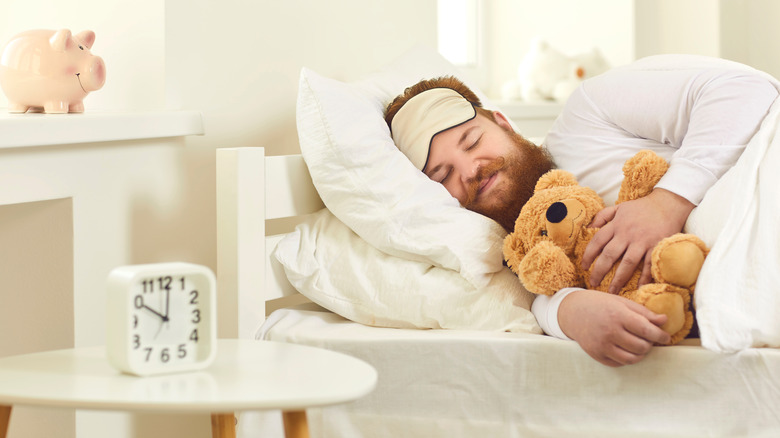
[(95, 76)]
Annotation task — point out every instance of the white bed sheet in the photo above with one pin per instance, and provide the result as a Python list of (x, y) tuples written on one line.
[(454, 383)]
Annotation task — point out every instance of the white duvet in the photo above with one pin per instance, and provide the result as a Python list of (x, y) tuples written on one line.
[(737, 296)]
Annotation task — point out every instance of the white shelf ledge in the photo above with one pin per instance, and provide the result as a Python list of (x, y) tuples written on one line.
[(38, 129)]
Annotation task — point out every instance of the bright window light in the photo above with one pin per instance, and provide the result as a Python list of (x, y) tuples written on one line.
[(458, 31)]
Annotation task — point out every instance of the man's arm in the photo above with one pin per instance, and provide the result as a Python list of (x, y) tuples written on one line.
[(723, 114), (611, 329)]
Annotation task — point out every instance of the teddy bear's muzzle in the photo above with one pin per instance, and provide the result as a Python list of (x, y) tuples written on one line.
[(564, 220)]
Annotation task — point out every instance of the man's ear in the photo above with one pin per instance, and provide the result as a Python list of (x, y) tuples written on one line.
[(502, 121)]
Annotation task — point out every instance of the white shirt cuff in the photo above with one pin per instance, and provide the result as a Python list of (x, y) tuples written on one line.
[(545, 309), (687, 179)]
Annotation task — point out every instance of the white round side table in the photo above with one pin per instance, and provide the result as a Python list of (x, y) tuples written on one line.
[(246, 375)]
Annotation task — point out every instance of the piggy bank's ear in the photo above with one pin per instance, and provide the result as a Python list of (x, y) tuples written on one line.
[(86, 37), (555, 178), (60, 40)]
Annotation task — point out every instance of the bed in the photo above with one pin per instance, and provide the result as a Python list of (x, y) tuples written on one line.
[(457, 351)]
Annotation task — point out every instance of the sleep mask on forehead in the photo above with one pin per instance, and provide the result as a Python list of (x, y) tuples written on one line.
[(425, 115)]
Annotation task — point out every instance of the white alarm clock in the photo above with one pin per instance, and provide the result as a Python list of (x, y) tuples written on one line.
[(161, 318)]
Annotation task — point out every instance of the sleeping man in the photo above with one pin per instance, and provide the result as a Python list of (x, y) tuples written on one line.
[(698, 113)]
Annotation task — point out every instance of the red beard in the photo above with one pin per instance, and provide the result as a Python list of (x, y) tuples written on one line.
[(522, 168)]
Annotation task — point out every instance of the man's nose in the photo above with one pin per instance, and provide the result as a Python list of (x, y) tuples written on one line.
[(469, 171)]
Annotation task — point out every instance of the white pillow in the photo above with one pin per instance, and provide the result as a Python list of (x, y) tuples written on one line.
[(338, 270), (373, 188)]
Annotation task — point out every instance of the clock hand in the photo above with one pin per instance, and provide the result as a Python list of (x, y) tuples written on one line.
[(167, 309), (163, 317), (167, 304)]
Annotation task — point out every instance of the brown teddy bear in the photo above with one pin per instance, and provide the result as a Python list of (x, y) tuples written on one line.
[(551, 233)]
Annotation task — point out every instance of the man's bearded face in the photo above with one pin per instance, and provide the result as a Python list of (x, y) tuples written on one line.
[(522, 167), (487, 166)]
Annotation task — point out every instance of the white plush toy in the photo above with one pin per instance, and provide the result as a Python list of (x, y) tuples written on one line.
[(547, 74)]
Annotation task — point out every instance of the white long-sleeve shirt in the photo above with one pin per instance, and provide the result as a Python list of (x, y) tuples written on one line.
[(697, 112)]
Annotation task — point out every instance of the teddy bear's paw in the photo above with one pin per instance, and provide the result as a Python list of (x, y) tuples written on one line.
[(546, 269), (678, 259), (640, 175), (513, 251), (672, 301), (671, 305)]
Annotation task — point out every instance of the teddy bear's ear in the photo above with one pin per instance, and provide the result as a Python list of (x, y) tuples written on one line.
[(555, 178)]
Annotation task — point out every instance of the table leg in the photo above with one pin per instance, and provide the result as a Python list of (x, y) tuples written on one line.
[(295, 424), (222, 425), (5, 418)]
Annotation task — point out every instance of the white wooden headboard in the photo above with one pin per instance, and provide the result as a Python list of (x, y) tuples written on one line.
[(253, 188)]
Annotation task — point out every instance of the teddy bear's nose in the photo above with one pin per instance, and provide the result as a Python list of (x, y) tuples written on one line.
[(556, 212)]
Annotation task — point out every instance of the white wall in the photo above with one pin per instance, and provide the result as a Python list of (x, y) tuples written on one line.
[(758, 19), (688, 26), (741, 30), (239, 61)]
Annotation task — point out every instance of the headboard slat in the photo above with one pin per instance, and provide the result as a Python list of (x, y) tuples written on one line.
[(287, 176), (240, 212), (253, 188)]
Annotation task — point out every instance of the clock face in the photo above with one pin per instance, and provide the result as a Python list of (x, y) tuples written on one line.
[(161, 318), (168, 319)]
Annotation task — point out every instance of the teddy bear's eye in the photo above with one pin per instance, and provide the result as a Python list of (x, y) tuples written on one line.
[(544, 232)]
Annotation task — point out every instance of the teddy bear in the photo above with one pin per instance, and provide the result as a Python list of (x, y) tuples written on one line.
[(545, 248), (546, 73)]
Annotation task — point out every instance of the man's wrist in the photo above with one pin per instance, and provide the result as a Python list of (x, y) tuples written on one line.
[(546, 310), (673, 205), (566, 314)]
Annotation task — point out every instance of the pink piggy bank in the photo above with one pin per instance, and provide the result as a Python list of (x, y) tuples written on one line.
[(50, 69)]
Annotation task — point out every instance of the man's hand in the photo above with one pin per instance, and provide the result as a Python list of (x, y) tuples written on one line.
[(631, 230), (611, 329)]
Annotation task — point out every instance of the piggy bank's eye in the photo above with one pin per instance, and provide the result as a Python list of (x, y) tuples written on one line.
[(81, 47), (543, 233)]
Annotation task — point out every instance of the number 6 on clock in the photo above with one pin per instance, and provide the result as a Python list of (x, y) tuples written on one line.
[(161, 318)]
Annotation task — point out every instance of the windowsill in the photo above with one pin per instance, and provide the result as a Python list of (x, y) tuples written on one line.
[(38, 129)]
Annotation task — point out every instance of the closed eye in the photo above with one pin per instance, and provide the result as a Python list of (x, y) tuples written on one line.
[(475, 144), (446, 175)]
